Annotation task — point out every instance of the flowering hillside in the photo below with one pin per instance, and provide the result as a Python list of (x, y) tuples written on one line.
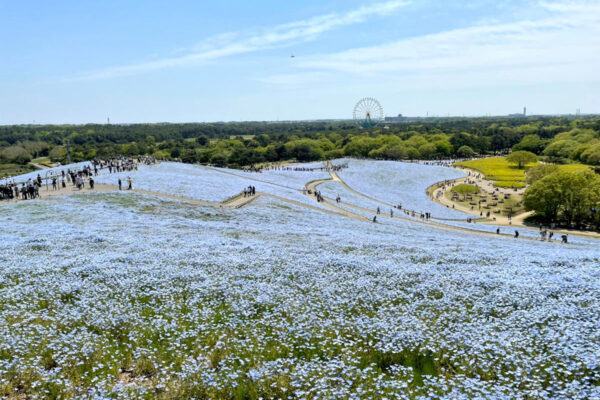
[(125, 295)]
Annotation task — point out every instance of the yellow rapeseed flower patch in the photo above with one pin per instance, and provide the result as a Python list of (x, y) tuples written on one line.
[(497, 169), (507, 175)]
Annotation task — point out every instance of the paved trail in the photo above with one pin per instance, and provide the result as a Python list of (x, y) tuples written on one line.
[(330, 204)]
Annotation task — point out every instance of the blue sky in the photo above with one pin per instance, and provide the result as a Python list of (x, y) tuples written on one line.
[(197, 61)]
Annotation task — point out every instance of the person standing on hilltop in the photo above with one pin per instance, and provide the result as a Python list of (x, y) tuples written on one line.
[(120, 184), (129, 187)]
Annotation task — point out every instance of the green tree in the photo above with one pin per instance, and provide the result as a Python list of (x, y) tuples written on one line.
[(15, 154), (305, 150), (395, 153), (531, 143), (566, 196), (561, 149), (175, 153), (58, 154), (521, 158), (537, 172), (545, 197), (592, 155), (465, 152), (428, 150)]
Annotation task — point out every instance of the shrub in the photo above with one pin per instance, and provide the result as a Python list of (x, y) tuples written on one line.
[(509, 184), (464, 188), (465, 152)]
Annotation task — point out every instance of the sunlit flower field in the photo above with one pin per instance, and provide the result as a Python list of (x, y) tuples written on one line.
[(124, 295)]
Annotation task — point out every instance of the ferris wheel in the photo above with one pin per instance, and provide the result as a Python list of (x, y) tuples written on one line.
[(368, 112)]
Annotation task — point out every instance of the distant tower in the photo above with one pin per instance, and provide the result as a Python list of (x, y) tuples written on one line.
[(108, 120), (524, 111)]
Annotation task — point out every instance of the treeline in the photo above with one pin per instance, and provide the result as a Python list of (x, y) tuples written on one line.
[(242, 144), (566, 198)]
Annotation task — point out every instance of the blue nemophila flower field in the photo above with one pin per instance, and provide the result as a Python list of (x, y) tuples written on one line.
[(123, 295)]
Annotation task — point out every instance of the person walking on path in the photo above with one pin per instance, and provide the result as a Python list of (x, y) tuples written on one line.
[(516, 234), (129, 185)]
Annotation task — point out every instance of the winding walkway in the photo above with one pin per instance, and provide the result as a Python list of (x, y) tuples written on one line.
[(329, 205)]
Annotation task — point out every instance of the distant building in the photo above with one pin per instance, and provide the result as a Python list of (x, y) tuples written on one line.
[(399, 118), (518, 115)]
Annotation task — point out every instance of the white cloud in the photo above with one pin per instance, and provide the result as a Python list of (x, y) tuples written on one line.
[(561, 47), (233, 43)]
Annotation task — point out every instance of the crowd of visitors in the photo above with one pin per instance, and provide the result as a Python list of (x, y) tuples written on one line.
[(30, 189), (326, 167), (249, 191)]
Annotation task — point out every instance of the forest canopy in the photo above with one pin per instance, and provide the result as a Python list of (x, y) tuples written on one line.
[(555, 139)]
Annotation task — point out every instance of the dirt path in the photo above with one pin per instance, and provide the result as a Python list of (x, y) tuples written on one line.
[(235, 202), (501, 220), (330, 204), (39, 166), (516, 222), (240, 201), (300, 204), (336, 178), (441, 225)]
